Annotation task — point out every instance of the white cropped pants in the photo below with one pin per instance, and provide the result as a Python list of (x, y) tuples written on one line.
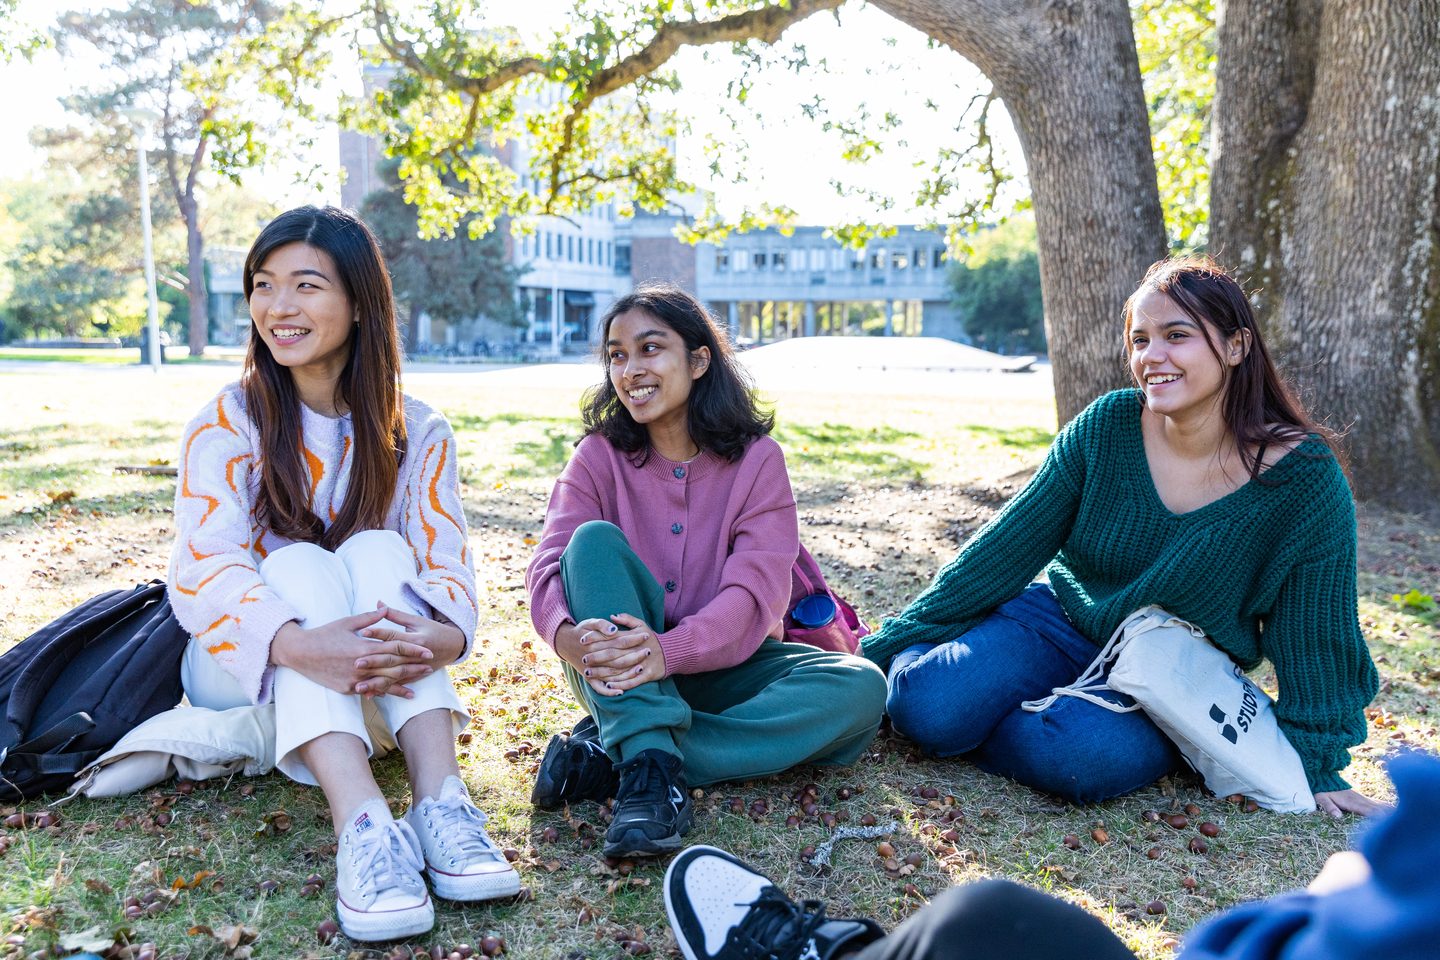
[(322, 586)]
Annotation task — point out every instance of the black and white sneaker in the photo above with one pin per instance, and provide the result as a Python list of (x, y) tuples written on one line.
[(720, 909), (652, 807), (575, 768)]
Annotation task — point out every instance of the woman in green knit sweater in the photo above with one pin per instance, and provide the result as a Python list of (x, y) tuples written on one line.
[(1206, 491)]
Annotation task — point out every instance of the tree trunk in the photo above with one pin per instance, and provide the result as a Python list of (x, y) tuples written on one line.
[(1324, 196), (199, 334), (1068, 73)]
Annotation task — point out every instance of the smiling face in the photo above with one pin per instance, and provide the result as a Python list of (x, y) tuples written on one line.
[(1178, 362), (652, 371), (302, 312)]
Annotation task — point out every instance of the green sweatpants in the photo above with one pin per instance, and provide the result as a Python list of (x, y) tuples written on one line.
[(787, 704)]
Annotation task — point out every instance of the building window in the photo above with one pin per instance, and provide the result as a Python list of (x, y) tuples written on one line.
[(740, 262), (900, 260), (857, 260), (570, 248), (549, 249), (798, 263), (759, 260), (779, 259), (622, 258), (937, 257), (877, 258), (919, 262), (722, 261)]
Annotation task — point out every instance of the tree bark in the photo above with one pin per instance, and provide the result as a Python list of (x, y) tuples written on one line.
[(1324, 196), (198, 335), (1068, 73)]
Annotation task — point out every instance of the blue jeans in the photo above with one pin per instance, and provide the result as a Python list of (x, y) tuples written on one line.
[(963, 698)]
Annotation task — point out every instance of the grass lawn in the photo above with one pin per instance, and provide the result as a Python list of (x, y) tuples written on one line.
[(110, 357), (888, 486)]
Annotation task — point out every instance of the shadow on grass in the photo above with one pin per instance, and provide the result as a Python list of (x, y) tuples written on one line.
[(862, 450), (539, 457), (158, 500)]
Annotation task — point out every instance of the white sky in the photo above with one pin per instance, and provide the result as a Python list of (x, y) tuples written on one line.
[(870, 58)]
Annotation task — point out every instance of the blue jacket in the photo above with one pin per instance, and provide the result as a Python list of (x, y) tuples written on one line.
[(1395, 915)]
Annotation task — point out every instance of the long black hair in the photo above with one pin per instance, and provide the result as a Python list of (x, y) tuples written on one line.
[(723, 414), (1259, 408), (369, 386)]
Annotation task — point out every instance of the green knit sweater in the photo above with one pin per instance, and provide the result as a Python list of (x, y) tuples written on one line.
[(1268, 571)]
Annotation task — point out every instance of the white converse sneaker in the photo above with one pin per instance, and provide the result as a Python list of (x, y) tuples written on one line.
[(379, 892), (461, 860)]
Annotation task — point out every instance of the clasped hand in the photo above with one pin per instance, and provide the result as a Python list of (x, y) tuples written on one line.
[(344, 655), (612, 655)]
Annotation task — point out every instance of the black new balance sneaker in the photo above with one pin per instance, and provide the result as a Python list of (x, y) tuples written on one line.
[(720, 909), (652, 807), (574, 768)]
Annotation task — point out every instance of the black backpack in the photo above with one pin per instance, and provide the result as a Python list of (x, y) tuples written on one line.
[(76, 686)]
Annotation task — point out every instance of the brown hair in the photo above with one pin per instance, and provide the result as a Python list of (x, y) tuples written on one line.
[(369, 387), (1259, 408)]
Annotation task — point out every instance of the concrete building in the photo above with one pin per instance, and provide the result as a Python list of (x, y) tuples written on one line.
[(769, 286)]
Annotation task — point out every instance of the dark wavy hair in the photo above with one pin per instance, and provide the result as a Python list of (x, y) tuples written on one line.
[(723, 415), (369, 386), (1259, 408)]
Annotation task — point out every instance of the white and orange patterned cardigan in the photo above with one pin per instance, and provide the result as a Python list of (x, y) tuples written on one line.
[(215, 588)]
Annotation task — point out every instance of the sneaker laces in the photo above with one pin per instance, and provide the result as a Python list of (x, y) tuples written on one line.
[(380, 856), (776, 928), (460, 827), (644, 781)]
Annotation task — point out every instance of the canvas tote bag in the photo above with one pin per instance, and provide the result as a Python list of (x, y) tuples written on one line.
[(1223, 724)]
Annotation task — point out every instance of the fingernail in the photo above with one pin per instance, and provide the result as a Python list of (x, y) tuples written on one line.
[(584, 659), (587, 673), (609, 685), (361, 664), (611, 629)]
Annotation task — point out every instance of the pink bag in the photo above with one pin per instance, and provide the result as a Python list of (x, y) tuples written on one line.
[(818, 615)]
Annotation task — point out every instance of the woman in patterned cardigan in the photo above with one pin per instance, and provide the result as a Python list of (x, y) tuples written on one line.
[(322, 563)]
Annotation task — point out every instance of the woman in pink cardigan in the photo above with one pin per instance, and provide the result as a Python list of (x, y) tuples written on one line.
[(662, 579)]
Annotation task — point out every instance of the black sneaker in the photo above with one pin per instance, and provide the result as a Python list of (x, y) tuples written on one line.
[(575, 768), (652, 807), (720, 909)]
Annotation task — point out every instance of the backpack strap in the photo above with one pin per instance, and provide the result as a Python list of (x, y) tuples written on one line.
[(43, 753)]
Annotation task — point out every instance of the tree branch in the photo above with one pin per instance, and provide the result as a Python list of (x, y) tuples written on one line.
[(765, 25)]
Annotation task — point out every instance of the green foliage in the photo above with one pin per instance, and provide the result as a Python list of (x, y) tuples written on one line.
[(1176, 45), (17, 39), (451, 279), (997, 286), (1422, 606), (71, 272)]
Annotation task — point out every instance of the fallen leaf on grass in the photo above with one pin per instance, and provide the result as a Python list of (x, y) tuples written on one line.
[(621, 882), (91, 940), (180, 883), (60, 496), (235, 938), (274, 822)]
